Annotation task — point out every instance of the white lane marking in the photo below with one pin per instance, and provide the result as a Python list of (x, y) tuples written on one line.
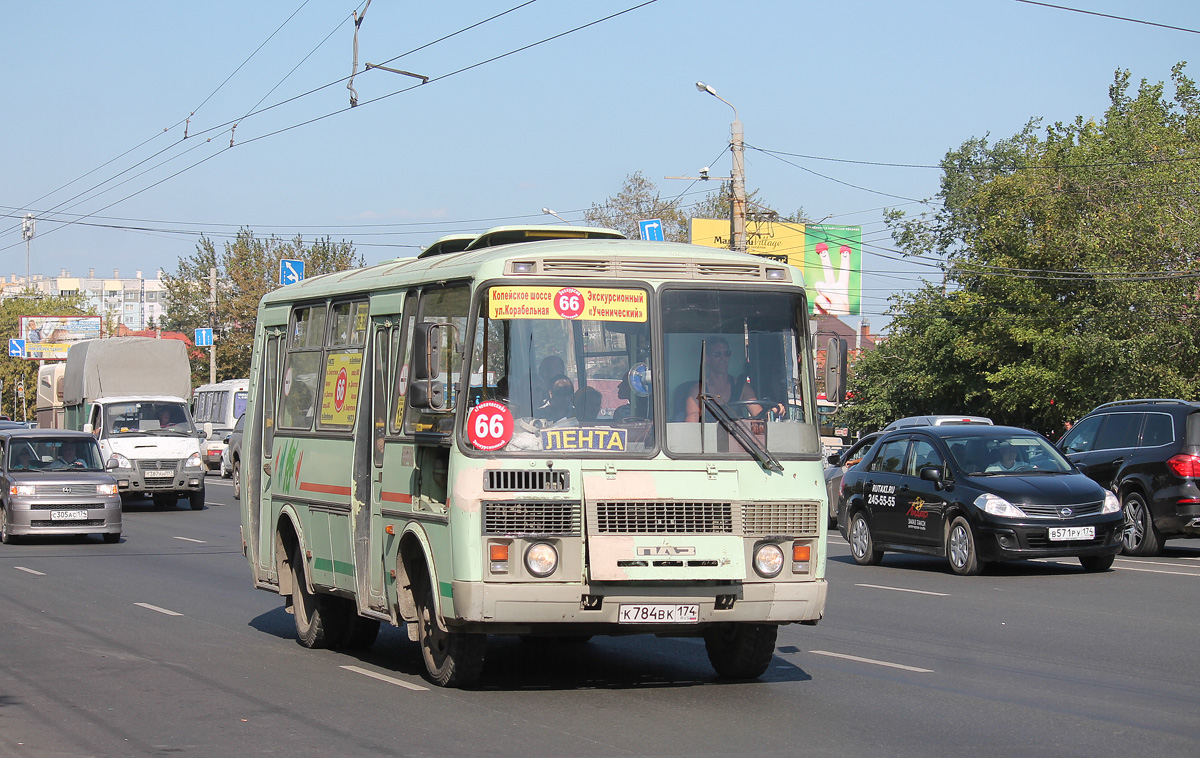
[(189, 539), (1156, 563), (1158, 571), (388, 679), (872, 661), (156, 608), (28, 571), (904, 589)]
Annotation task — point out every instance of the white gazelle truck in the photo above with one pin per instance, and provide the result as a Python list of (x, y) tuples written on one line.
[(131, 392)]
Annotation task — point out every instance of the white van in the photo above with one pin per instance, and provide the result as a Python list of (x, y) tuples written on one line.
[(215, 409)]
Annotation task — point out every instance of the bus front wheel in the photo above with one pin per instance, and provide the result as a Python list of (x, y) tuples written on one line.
[(452, 659), (741, 650)]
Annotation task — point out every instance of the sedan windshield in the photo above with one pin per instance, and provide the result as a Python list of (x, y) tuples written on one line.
[(1003, 454)]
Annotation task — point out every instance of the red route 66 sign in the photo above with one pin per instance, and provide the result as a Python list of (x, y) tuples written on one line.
[(568, 302), (490, 425)]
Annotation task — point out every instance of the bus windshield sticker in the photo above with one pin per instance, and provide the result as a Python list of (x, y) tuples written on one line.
[(600, 304), (585, 438), (340, 396), (490, 425)]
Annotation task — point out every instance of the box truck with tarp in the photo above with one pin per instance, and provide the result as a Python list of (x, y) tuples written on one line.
[(131, 393)]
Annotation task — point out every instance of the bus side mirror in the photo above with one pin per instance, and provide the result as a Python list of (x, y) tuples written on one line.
[(427, 348), (427, 395), (835, 370)]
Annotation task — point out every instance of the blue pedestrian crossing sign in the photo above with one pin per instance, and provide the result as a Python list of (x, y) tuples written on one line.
[(291, 271), (652, 230), (16, 348), (204, 337)]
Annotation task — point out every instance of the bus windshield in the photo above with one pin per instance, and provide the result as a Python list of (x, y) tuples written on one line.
[(756, 392), (572, 365)]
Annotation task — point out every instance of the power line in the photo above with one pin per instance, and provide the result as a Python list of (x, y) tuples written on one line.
[(1106, 15)]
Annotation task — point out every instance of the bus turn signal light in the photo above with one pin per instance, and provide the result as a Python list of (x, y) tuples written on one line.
[(800, 557), (498, 558)]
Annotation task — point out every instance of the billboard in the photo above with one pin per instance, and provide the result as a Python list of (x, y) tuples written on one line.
[(830, 256), (48, 337)]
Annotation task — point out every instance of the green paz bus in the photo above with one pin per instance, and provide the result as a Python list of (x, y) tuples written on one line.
[(548, 432)]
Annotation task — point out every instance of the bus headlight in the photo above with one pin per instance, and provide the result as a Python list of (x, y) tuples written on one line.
[(768, 560), (541, 559)]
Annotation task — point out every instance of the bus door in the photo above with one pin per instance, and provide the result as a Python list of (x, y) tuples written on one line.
[(260, 447)]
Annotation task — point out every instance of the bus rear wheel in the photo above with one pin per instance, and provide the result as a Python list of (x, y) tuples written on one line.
[(319, 622), (452, 659), (741, 650)]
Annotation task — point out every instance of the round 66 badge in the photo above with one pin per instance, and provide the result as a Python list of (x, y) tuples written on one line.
[(568, 302), (490, 425)]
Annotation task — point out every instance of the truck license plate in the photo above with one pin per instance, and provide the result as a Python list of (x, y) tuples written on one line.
[(158, 473), (1068, 533), (659, 613), (68, 515)]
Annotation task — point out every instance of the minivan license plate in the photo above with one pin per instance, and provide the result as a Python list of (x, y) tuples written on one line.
[(659, 613), (1068, 533), (68, 515)]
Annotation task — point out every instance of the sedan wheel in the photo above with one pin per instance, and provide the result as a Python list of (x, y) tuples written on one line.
[(862, 544), (960, 548)]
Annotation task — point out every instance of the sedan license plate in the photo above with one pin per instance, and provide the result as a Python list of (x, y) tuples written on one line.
[(659, 613), (158, 473), (1070, 533), (80, 515)]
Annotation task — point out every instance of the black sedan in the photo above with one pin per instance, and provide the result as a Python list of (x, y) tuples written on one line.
[(976, 494)]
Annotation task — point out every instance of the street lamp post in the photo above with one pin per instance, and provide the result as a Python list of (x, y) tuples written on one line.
[(737, 149), (549, 212)]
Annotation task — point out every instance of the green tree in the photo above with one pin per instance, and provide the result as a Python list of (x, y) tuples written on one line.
[(247, 269), (1070, 274), (14, 370)]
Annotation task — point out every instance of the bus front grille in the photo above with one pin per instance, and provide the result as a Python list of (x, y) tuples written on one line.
[(518, 480), (663, 517), (793, 519), (513, 519)]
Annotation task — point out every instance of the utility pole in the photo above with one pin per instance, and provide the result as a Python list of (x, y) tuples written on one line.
[(27, 227), (737, 207), (212, 322)]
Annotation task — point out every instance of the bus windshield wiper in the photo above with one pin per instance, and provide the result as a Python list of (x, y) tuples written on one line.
[(738, 432)]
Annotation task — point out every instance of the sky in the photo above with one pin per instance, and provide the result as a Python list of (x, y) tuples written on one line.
[(131, 128)]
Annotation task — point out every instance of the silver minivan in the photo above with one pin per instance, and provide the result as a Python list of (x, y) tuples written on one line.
[(54, 482)]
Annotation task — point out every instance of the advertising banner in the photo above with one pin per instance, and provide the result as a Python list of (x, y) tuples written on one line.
[(829, 255), (48, 337)]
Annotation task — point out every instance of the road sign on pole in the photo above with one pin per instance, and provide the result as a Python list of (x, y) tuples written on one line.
[(291, 271), (652, 230), (204, 337)]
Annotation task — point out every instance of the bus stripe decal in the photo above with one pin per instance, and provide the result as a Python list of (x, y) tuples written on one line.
[(328, 489), (395, 497)]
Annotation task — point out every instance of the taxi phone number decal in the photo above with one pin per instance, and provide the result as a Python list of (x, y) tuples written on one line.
[(883, 495)]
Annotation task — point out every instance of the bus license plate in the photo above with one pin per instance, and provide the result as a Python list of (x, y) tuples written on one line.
[(68, 515), (158, 473), (1067, 533), (659, 613)]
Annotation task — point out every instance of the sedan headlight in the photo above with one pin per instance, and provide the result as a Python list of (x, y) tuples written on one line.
[(122, 461), (768, 560), (193, 461), (1111, 503), (541, 559), (22, 490), (998, 506)]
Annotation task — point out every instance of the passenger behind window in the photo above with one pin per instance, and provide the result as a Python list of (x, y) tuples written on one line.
[(562, 391), (586, 404)]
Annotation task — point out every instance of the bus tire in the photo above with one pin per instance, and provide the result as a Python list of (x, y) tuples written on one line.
[(320, 623), (237, 480), (452, 659), (360, 633), (740, 650)]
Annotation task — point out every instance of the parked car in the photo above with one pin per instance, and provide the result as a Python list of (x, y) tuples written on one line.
[(974, 494), (1148, 453), (838, 463), (53, 481), (231, 459), (939, 420)]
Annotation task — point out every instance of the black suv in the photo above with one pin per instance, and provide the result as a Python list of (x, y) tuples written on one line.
[(1148, 453)]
